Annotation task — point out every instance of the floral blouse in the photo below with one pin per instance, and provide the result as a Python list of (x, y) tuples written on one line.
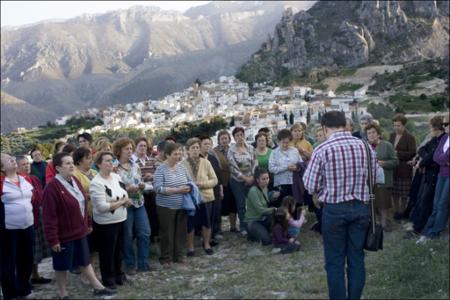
[(132, 176)]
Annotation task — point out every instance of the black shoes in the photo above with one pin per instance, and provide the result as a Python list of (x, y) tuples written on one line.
[(104, 292), (40, 280)]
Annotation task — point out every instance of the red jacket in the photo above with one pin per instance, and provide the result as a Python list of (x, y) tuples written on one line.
[(36, 200), (50, 172), (62, 218)]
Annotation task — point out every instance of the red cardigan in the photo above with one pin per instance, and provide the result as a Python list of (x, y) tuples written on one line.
[(50, 171), (62, 218)]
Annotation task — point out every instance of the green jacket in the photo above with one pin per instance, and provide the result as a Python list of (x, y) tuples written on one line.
[(257, 205), (385, 152)]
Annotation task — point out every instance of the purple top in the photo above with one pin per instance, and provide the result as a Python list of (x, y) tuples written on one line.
[(442, 158), (279, 236)]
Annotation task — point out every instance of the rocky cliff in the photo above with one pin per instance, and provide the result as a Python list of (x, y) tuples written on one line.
[(335, 34)]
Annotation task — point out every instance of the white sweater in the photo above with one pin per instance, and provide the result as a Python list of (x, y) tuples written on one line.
[(17, 203), (103, 192)]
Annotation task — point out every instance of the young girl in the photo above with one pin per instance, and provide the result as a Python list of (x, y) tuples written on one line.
[(280, 237), (294, 224)]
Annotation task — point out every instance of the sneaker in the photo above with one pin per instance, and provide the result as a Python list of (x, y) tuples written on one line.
[(40, 280), (422, 240), (104, 292), (276, 250), (244, 232), (130, 270), (110, 285)]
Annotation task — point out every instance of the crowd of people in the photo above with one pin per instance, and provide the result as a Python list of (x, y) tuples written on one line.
[(119, 198)]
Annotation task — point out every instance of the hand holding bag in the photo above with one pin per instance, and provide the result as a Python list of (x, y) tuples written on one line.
[(374, 235)]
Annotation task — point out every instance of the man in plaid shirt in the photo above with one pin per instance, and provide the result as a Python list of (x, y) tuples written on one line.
[(338, 172)]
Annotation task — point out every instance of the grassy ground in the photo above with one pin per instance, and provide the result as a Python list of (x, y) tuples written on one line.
[(240, 269)]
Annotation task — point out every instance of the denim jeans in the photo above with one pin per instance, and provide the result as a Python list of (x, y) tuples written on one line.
[(259, 231), (344, 227), (137, 219), (438, 219), (240, 191)]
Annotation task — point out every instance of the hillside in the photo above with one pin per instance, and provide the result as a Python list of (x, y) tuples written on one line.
[(97, 60), (18, 113), (346, 34)]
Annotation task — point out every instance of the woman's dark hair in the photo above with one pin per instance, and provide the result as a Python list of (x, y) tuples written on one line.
[(170, 148), (260, 135), (373, 126), (99, 158), (290, 204), (87, 136), (333, 119), (147, 142), (223, 132), (284, 134), (400, 118), (68, 148), (265, 130), (236, 130), (279, 216), (79, 154), (259, 171), (58, 159), (437, 122), (56, 146)]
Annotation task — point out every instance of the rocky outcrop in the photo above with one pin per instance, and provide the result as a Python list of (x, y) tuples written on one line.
[(334, 34)]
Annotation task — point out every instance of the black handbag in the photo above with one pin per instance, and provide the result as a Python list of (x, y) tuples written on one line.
[(374, 235)]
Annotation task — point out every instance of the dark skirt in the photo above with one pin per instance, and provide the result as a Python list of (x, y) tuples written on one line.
[(401, 187), (228, 202), (383, 197)]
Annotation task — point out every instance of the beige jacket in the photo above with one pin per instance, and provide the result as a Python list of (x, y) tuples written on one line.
[(206, 177)]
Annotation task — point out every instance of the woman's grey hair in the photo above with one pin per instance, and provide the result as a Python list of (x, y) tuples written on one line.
[(366, 117)]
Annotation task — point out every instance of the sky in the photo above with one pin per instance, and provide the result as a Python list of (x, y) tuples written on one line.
[(15, 13)]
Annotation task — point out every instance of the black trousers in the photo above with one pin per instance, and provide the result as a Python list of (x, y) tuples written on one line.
[(16, 261), (109, 240), (424, 205), (150, 207), (216, 217)]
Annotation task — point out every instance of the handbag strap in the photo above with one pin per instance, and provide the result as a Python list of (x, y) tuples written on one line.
[(371, 186)]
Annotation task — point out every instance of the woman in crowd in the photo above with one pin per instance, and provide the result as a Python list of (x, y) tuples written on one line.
[(40, 247), (320, 137), (16, 230), (300, 142), (430, 170), (171, 183), (405, 147), (137, 218), (110, 200), (82, 158), (147, 164), (439, 217), (262, 150), (39, 165), (201, 171), (228, 203), (206, 152), (258, 214), (66, 225), (388, 160), (243, 162), (50, 171), (282, 163)]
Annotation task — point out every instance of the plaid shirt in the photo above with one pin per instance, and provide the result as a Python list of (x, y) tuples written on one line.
[(338, 169)]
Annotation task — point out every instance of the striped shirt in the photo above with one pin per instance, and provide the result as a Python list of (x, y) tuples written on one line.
[(164, 178), (338, 169)]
